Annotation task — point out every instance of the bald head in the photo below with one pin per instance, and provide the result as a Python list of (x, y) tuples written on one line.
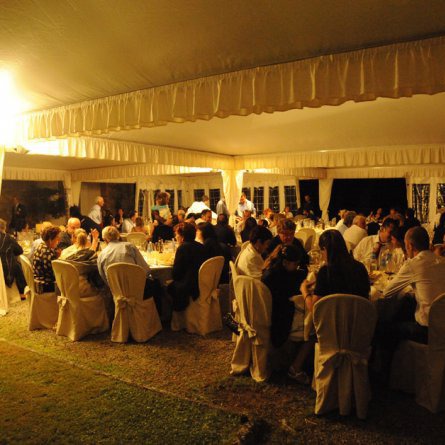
[(416, 240), (360, 221), (72, 225)]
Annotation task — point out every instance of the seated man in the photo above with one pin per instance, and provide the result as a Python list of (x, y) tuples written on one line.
[(286, 235), (118, 251), (354, 234), (66, 237), (425, 272), (372, 244), (250, 262), (346, 221), (130, 222), (206, 217)]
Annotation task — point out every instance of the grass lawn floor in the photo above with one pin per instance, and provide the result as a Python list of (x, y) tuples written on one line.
[(175, 388)]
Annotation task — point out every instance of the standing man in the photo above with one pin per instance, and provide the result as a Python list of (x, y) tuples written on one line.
[(18, 217), (245, 204), (221, 207), (96, 211)]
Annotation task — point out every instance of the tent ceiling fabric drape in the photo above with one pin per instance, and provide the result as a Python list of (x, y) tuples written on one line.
[(397, 70)]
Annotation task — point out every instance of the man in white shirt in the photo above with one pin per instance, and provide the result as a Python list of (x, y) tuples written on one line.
[(425, 272), (250, 262), (198, 206), (96, 211), (130, 222), (354, 234), (346, 221), (245, 204), (372, 244)]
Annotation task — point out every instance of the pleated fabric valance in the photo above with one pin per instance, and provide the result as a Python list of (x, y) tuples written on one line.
[(397, 70), (363, 157)]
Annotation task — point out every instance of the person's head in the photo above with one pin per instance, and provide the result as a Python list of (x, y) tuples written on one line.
[(80, 238), (333, 247), (110, 234), (268, 212), (163, 198), (206, 215), (222, 220), (250, 224), (2, 225), (386, 229), (349, 218), (393, 211), (205, 231), (185, 232), (139, 222), (360, 221), (289, 257), (263, 222), (15, 200), (416, 240), (260, 238), (286, 231), (307, 198), (342, 213), (247, 214), (181, 215), (51, 236), (397, 238), (287, 209), (242, 198), (100, 201), (205, 199), (72, 225)]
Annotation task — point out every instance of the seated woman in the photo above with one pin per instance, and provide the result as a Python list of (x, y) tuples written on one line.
[(188, 260), (9, 250), (342, 274), (45, 253), (139, 226), (249, 225), (207, 236), (82, 254), (283, 275)]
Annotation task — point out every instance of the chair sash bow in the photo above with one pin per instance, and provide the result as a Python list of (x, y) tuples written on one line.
[(213, 295), (122, 301), (62, 301), (338, 358)]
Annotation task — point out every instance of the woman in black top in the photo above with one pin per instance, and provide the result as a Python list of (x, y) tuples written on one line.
[(341, 274), (9, 250), (249, 225), (283, 275)]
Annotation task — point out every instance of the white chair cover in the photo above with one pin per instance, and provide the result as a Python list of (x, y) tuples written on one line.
[(43, 309), (307, 236), (420, 369), (137, 238), (78, 317), (133, 314), (254, 303), (344, 325), (203, 315)]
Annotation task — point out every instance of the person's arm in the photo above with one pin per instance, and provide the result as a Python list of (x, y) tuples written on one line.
[(400, 281), (95, 240), (16, 248), (180, 263), (101, 268)]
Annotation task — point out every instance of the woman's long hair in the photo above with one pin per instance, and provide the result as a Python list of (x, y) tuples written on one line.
[(337, 254)]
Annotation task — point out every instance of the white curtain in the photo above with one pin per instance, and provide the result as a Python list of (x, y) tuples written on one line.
[(232, 186), (3, 296), (397, 70), (324, 192)]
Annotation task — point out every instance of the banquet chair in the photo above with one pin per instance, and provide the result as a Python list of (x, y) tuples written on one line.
[(254, 303), (203, 315), (420, 369), (307, 237), (78, 317), (43, 309), (133, 315), (344, 325), (137, 238)]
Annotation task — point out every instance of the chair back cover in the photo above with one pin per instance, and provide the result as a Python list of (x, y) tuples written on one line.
[(307, 237), (43, 309), (203, 315), (344, 325), (78, 317), (137, 238), (133, 314), (233, 269), (254, 307)]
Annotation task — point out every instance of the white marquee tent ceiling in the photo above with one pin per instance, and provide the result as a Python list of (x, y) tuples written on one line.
[(65, 52)]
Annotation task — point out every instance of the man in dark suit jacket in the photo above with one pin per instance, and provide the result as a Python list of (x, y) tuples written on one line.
[(18, 218), (188, 260)]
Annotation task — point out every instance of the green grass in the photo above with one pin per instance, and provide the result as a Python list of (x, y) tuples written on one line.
[(43, 400)]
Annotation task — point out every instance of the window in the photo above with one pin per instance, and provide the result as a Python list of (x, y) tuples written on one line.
[(141, 203), (154, 195), (214, 196), (421, 197), (258, 199), (171, 203), (274, 198), (246, 191), (197, 194), (179, 198), (440, 197), (290, 198)]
